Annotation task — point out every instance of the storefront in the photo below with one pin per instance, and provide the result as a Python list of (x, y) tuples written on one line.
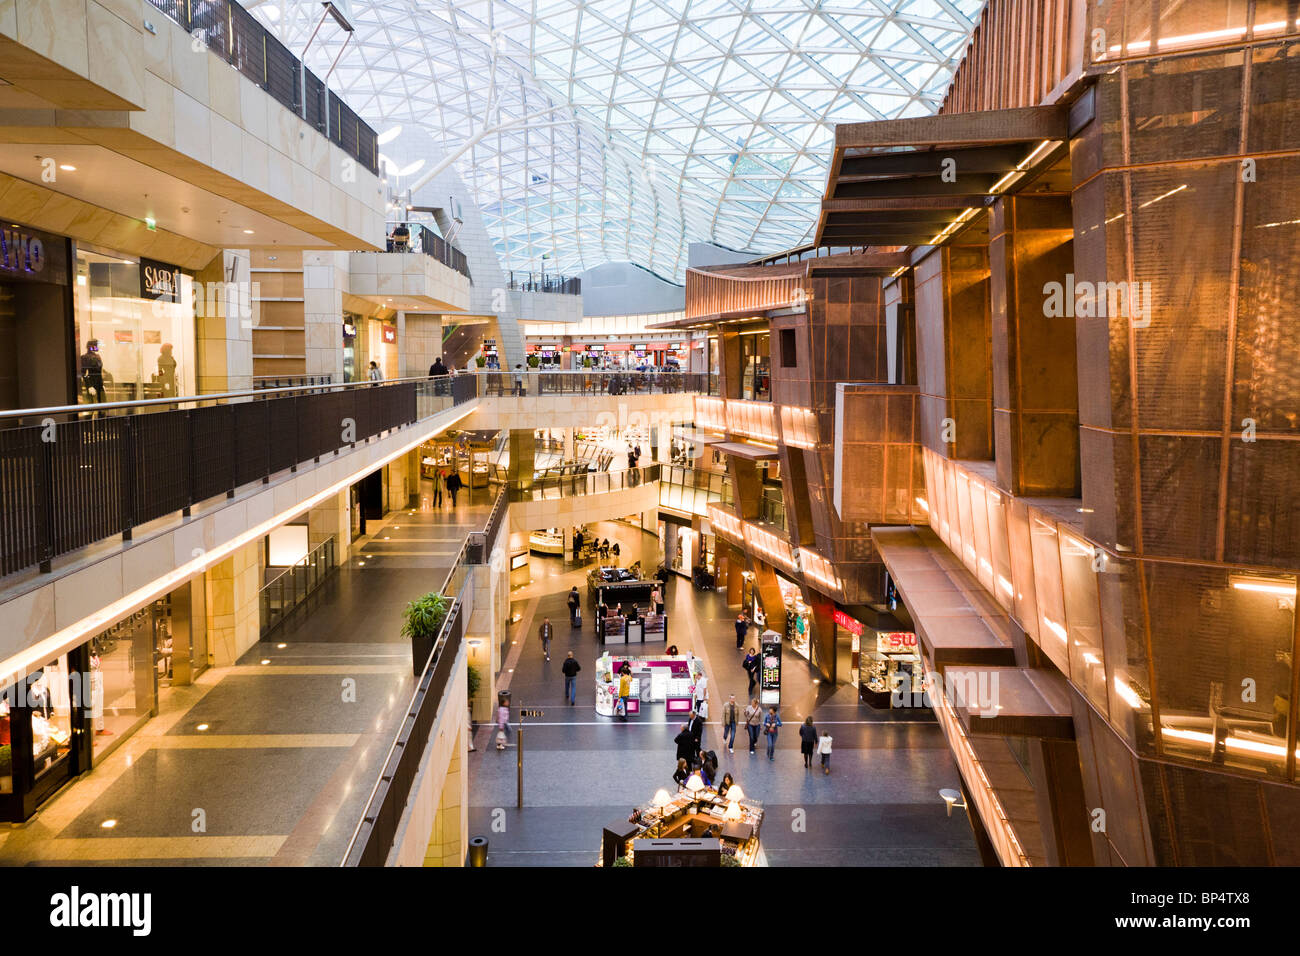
[(37, 355), (64, 717), (798, 618), (879, 657), (685, 549), (134, 327)]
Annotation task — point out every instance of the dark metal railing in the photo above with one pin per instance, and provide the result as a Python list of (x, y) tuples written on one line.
[(288, 589), (74, 475), (541, 282), (590, 382), (420, 238), (291, 381), (235, 35), (592, 483), (375, 835)]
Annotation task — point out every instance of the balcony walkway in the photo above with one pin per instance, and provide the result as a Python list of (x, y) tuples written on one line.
[(285, 767)]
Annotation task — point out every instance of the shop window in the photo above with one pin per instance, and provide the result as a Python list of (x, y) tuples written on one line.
[(130, 347), (789, 357)]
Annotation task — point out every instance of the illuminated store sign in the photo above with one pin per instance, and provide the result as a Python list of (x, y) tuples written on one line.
[(158, 280), (390, 334), (21, 252), (854, 627), (895, 642)]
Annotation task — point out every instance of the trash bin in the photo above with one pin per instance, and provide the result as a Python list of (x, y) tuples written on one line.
[(478, 851), (503, 698)]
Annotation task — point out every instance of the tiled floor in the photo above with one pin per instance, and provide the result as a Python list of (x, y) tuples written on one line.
[(880, 806), (290, 749)]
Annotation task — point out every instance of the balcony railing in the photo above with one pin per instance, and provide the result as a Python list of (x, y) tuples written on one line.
[(237, 37), (74, 475), (541, 282), (592, 483), (288, 589), (590, 382), (375, 835), (420, 238)]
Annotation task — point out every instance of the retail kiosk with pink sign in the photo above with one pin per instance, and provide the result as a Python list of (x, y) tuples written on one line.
[(660, 678)]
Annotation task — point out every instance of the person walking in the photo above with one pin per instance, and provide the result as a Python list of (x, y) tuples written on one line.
[(439, 478), (574, 601), (750, 664), (624, 690), (577, 545), (546, 631), (730, 716), (604, 549), (454, 484), (570, 669), (824, 748), (696, 724), (742, 629), (658, 598), (685, 742), (753, 719), (375, 375), (807, 741), (503, 726), (614, 550), (519, 379), (771, 724), (700, 697)]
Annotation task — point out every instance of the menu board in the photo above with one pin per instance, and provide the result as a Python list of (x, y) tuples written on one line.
[(770, 672)]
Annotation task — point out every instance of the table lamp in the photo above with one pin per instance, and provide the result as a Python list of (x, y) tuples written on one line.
[(661, 798), (695, 783), (735, 793), (733, 811)]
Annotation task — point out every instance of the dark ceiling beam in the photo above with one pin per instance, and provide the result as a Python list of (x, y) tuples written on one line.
[(974, 186), (983, 126), (999, 160)]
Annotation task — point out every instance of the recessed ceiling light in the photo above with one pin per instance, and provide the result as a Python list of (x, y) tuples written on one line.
[(108, 824), (248, 232), (67, 167), (266, 660), (282, 646), (201, 727)]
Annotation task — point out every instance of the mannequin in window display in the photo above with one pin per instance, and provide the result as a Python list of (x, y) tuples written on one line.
[(92, 372), (167, 371), (97, 693)]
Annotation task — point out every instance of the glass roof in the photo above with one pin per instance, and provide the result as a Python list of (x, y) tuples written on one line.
[(598, 130)]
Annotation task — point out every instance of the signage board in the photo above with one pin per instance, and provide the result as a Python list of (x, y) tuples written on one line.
[(32, 255), (159, 281), (769, 689), (896, 642), (851, 625)]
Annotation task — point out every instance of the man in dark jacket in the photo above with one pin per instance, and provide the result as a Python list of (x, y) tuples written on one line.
[(574, 601), (751, 668), (742, 628), (454, 485), (686, 746), (696, 725), (570, 669)]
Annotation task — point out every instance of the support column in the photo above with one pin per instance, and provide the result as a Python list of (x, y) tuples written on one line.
[(224, 326), (568, 444), (523, 457), (450, 840), (233, 615), (330, 519), (1035, 361), (398, 484), (735, 576)]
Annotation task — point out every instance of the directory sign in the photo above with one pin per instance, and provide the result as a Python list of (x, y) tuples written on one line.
[(769, 691)]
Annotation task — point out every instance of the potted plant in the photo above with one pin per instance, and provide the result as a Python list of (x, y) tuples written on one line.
[(534, 361), (480, 360), (422, 620)]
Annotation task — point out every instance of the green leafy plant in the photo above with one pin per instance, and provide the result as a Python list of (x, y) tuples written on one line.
[(474, 679), (622, 861), (480, 361), (534, 361), (729, 859), (423, 617)]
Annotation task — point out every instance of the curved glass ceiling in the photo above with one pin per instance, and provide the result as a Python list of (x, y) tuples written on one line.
[(598, 130)]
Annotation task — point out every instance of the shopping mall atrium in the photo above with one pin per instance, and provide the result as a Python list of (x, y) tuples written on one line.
[(607, 433)]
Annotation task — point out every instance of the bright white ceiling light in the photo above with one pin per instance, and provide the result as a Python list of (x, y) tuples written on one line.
[(388, 135), (412, 168)]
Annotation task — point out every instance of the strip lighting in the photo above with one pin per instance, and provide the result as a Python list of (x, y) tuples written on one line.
[(1185, 39), (1005, 585), (1264, 585), (1055, 628), (1128, 694)]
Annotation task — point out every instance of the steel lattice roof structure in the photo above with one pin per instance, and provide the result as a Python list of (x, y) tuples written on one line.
[(598, 130)]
